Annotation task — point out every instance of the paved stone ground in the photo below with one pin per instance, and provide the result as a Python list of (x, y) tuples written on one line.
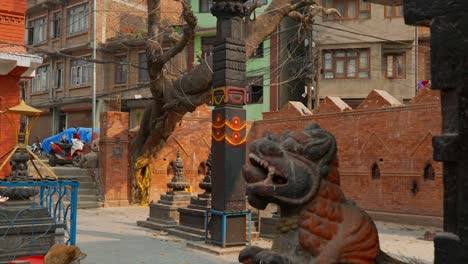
[(110, 235)]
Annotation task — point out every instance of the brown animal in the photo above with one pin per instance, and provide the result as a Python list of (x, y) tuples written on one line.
[(64, 254), (299, 173)]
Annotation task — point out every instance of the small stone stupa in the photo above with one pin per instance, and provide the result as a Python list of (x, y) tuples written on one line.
[(192, 219), (164, 214)]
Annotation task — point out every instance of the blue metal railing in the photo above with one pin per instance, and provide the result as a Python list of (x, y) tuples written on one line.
[(61, 200)]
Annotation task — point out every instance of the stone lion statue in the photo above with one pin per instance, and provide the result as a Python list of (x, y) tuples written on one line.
[(299, 173)]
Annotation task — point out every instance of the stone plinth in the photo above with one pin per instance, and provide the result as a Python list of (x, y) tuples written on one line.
[(25, 229), (192, 219), (164, 214)]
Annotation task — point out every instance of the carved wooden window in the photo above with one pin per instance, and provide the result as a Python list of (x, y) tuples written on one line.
[(346, 64), (254, 89), (349, 9), (375, 171), (205, 6), (393, 11), (429, 172), (395, 65)]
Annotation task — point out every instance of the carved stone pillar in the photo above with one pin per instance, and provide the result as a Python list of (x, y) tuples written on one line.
[(229, 120), (449, 57)]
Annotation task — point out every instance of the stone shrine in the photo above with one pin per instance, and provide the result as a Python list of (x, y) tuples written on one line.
[(164, 214), (192, 219)]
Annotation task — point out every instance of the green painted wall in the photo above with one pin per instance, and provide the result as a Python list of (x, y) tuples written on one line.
[(255, 67)]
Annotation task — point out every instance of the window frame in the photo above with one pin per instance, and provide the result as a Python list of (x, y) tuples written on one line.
[(31, 30), (257, 79), (85, 18), (56, 25), (121, 68), (81, 69), (38, 77), (357, 68), (212, 40), (59, 73), (359, 11), (140, 69), (394, 12), (395, 65)]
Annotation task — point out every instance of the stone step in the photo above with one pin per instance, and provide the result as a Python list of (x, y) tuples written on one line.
[(185, 235), (87, 198), (188, 229), (86, 191), (89, 205), (70, 171)]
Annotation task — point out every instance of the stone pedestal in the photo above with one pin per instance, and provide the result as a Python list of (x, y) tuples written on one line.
[(25, 229), (164, 214), (192, 219)]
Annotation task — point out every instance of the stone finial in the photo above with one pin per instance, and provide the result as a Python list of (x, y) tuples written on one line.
[(206, 182), (178, 182)]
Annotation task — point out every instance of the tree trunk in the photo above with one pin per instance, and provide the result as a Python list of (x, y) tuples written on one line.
[(174, 96)]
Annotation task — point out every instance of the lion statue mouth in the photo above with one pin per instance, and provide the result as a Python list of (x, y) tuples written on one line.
[(287, 170)]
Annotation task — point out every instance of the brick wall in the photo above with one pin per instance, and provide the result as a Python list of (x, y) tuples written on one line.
[(9, 97), (398, 139), (12, 20)]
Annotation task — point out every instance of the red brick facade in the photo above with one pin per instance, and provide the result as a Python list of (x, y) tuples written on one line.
[(397, 139), (12, 31), (113, 158)]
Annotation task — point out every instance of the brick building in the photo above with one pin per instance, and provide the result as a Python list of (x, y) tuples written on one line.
[(15, 64), (62, 32)]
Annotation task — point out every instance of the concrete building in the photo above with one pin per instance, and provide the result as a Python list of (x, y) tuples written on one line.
[(15, 65), (369, 47), (62, 33)]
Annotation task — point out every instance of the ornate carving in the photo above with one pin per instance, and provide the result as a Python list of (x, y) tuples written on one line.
[(229, 8), (178, 182), (234, 131), (206, 182), (299, 173), (11, 19)]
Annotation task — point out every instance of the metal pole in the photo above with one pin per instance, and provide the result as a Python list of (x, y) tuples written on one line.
[(310, 69), (94, 65), (416, 57)]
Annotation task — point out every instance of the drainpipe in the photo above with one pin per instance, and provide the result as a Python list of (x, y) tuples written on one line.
[(94, 66)]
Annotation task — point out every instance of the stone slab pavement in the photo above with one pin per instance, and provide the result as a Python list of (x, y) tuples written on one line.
[(110, 235)]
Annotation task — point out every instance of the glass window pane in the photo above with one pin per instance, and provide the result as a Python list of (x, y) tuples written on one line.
[(352, 68), (352, 12), (352, 53), (328, 61), (399, 11), (340, 68), (328, 75), (364, 15), (329, 3), (340, 6), (340, 53), (363, 59), (363, 74), (389, 66), (399, 66), (388, 11), (363, 5)]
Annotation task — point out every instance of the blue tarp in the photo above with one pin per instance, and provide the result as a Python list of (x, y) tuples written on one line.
[(85, 134)]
